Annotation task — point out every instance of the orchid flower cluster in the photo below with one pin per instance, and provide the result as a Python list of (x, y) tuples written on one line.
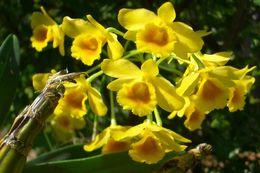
[(205, 85)]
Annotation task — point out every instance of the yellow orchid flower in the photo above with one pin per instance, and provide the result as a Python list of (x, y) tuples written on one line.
[(63, 126), (39, 80), (140, 97), (237, 93), (75, 97), (216, 59), (89, 38), (140, 89), (194, 118), (73, 101), (150, 142), (45, 29), (107, 142), (158, 34)]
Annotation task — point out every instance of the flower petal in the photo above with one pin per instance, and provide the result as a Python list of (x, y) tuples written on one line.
[(58, 39), (117, 84), (188, 40), (150, 67), (96, 24), (166, 12), (40, 19), (134, 19), (86, 48), (95, 101), (114, 48), (167, 97), (74, 27), (188, 84), (100, 140), (120, 68), (148, 150), (130, 35)]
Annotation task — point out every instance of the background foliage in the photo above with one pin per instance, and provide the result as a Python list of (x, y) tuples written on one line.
[(235, 26)]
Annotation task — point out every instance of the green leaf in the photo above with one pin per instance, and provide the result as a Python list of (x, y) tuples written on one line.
[(111, 163), (199, 63), (64, 153), (9, 73)]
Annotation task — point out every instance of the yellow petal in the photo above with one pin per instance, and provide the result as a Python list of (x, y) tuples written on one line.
[(117, 84), (238, 93), (203, 33), (147, 150), (86, 48), (211, 95), (96, 102), (194, 118), (156, 39), (139, 97), (113, 146), (161, 130), (166, 12), (39, 80), (114, 48), (58, 38), (134, 19), (130, 35), (74, 27), (100, 140), (47, 15), (150, 68), (188, 84), (167, 97), (130, 133), (42, 34), (230, 73), (188, 40), (120, 68), (40, 19), (168, 141), (96, 24), (220, 58)]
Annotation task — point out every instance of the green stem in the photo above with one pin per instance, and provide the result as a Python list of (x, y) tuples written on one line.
[(93, 69), (173, 70), (112, 108), (48, 140), (94, 76), (157, 117), (126, 44), (131, 53), (116, 31), (150, 118), (160, 60), (94, 127), (180, 59)]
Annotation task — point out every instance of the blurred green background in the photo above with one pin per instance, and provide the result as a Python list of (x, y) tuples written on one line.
[(235, 26)]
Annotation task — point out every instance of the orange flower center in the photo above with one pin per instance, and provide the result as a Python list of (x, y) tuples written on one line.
[(149, 147), (195, 116), (237, 96), (156, 35), (89, 44), (64, 121), (74, 99), (139, 92), (114, 146), (210, 91), (41, 34)]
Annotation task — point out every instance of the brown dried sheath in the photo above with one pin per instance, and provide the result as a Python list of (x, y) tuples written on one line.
[(14, 147)]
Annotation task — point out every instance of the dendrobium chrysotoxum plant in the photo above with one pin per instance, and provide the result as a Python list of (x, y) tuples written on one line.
[(206, 84)]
